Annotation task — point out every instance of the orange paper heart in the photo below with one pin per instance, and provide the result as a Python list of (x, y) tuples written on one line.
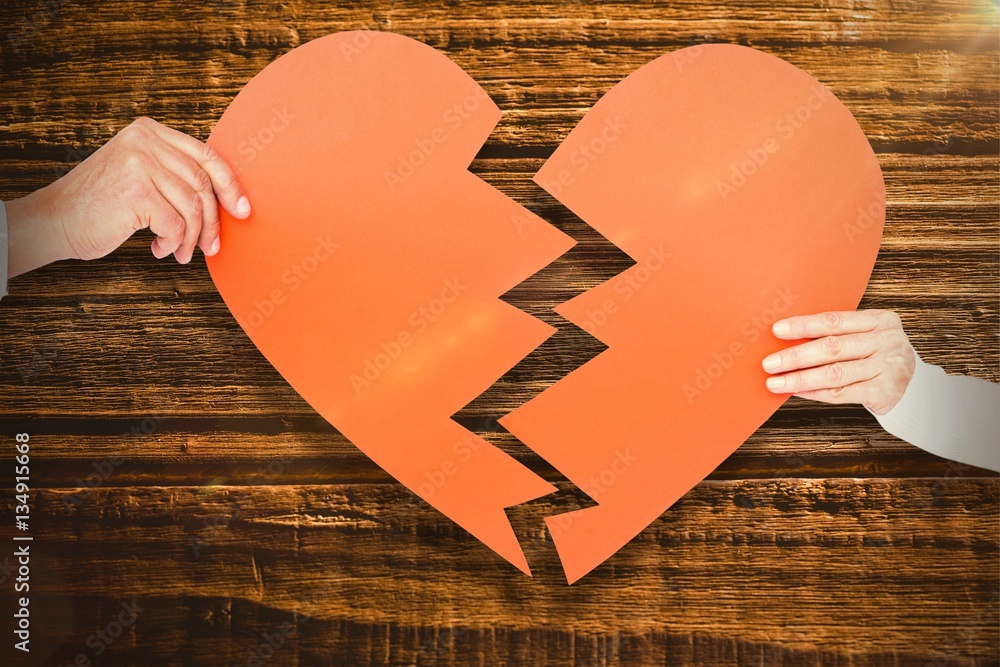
[(369, 271), (745, 192)]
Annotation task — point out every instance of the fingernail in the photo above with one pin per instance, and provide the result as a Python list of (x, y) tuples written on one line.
[(781, 328), (243, 207), (775, 383), (771, 362), (216, 244)]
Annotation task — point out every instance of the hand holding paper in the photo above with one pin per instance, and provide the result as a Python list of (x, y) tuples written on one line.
[(865, 357), (854, 357), (147, 177)]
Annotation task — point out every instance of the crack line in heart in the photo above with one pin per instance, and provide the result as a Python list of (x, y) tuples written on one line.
[(746, 192), (568, 349)]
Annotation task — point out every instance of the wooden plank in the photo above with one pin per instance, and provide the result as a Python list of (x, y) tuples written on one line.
[(773, 560), (802, 440), (935, 199), (182, 358), (227, 631), (933, 202), (937, 268), (125, 26), (720, 562), (957, 271), (905, 102)]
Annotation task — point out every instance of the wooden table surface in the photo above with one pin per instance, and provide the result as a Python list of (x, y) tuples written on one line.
[(174, 470)]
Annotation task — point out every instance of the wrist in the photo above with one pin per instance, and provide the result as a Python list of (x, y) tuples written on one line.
[(914, 369), (35, 235)]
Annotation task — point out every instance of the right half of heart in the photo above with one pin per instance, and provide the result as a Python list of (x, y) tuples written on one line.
[(746, 192)]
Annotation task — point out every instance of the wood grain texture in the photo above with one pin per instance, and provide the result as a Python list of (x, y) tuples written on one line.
[(723, 559), (179, 473)]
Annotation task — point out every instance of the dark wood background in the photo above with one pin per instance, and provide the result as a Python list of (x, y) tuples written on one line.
[(229, 508)]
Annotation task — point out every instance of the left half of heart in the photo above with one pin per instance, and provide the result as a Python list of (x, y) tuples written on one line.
[(370, 270)]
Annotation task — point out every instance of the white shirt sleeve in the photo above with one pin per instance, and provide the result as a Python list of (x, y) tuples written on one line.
[(3, 250), (954, 416)]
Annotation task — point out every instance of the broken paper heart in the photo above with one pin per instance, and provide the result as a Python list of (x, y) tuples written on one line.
[(370, 270), (745, 192)]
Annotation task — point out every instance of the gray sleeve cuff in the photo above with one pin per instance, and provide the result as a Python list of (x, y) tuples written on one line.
[(953, 416), (3, 250)]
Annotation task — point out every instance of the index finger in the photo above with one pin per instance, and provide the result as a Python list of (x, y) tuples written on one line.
[(227, 188), (833, 323)]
